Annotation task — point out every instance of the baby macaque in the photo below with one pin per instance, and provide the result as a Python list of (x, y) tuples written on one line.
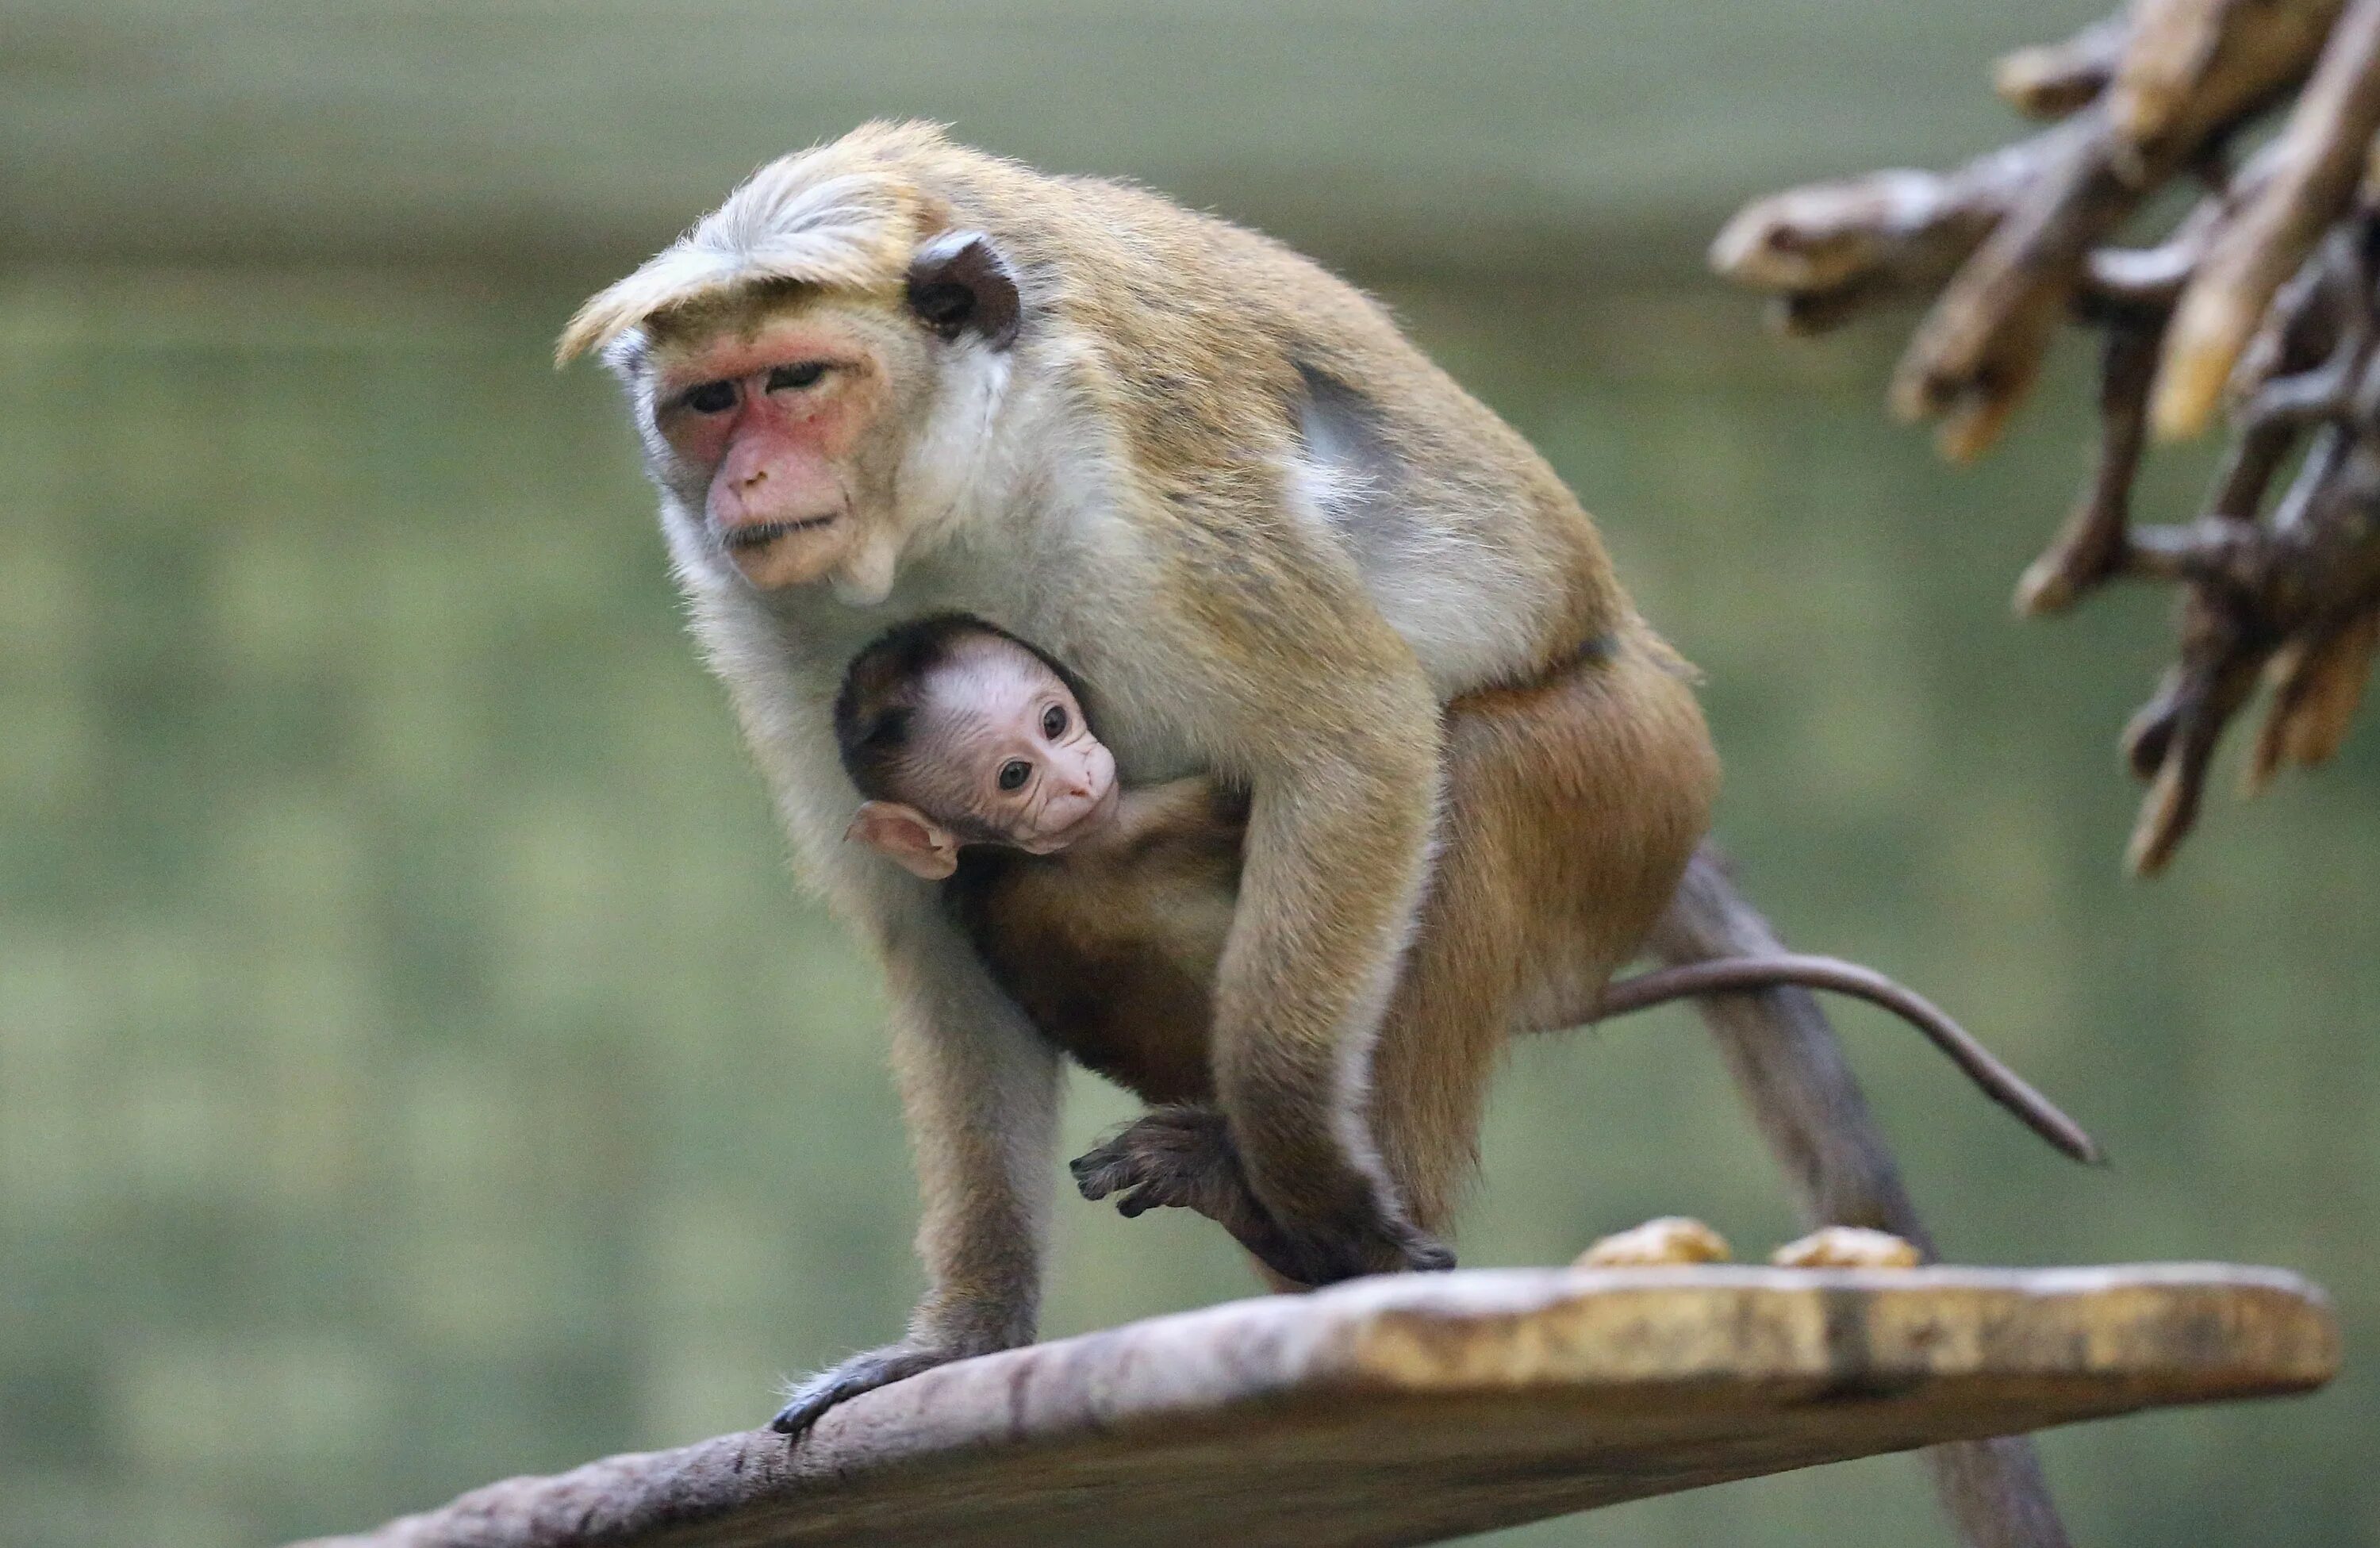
[(972, 736), (1103, 910)]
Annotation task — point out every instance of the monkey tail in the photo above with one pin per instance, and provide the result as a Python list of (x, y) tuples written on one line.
[(1808, 1106), (1722, 975)]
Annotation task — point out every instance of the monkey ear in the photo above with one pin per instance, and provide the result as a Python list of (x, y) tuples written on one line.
[(906, 837), (959, 282)]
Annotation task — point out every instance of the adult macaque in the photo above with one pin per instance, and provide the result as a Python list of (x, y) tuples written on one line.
[(1103, 911), (891, 377)]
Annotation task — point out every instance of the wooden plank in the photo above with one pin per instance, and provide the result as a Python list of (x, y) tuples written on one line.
[(1412, 1409)]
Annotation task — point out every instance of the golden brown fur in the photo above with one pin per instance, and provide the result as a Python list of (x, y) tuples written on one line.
[(1112, 946), (1125, 478), (1272, 539)]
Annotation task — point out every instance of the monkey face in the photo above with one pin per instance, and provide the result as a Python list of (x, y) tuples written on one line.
[(1006, 746), (779, 430), (777, 414), (1000, 754)]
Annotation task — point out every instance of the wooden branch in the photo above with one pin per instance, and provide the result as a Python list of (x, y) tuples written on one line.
[(1831, 249), (1421, 1407), (2093, 547), (2186, 57), (2316, 165), (2056, 79), (2318, 683), (2292, 593), (2266, 288)]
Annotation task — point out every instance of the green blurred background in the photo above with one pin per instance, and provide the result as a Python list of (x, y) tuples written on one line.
[(415, 1063)]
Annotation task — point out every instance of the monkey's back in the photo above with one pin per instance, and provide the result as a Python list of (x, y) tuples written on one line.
[(1208, 343)]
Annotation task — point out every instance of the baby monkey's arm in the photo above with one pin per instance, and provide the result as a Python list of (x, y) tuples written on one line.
[(1175, 809)]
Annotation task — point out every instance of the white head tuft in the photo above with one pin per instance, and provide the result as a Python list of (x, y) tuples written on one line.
[(836, 214)]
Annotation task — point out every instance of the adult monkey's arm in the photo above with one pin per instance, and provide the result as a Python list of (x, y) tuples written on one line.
[(979, 1088), (1337, 742)]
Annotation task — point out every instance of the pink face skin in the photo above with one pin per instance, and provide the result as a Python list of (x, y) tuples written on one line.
[(1000, 739), (774, 417)]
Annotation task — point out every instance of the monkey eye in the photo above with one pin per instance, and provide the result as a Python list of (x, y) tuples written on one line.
[(711, 397), (787, 377), (1053, 721), (1014, 774)]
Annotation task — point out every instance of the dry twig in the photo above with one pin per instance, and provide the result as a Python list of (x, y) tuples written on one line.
[(2267, 285)]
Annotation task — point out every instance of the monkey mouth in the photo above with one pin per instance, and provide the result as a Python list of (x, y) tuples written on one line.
[(743, 539), (1100, 811)]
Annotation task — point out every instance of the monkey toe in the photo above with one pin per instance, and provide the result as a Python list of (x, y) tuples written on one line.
[(1174, 1156), (1098, 1173), (809, 1400), (1428, 1255)]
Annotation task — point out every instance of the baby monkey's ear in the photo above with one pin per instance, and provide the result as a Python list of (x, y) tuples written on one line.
[(910, 839)]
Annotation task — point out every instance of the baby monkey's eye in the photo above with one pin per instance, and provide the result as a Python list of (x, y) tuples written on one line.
[(1014, 774), (1054, 721), (806, 374)]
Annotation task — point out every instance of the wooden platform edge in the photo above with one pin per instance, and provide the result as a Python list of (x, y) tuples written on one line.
[(1690, 1374)]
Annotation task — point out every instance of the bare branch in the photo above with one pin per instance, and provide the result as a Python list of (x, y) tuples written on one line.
[(2053, 80), (2093, 548), (2317, 164), (1419, 1407), (2317, 686), (1891, 233), (2266, 289), (2184, 56)]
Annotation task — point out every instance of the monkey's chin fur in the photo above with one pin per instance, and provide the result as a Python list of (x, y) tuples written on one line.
[(864, 578)]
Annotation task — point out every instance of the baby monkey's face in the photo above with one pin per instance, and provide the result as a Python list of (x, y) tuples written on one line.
[(998, 752), (1002, 741)]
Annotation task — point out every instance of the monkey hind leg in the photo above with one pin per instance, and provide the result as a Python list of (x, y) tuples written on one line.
[(1592, 789), (1571, 806)]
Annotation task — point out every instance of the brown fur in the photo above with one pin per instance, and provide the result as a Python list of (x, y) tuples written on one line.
[(1217, 630), (1112, 946), (1161, 364)]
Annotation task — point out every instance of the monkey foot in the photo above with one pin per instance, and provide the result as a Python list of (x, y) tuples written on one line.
[(877, 1368), (1183, 1158)]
